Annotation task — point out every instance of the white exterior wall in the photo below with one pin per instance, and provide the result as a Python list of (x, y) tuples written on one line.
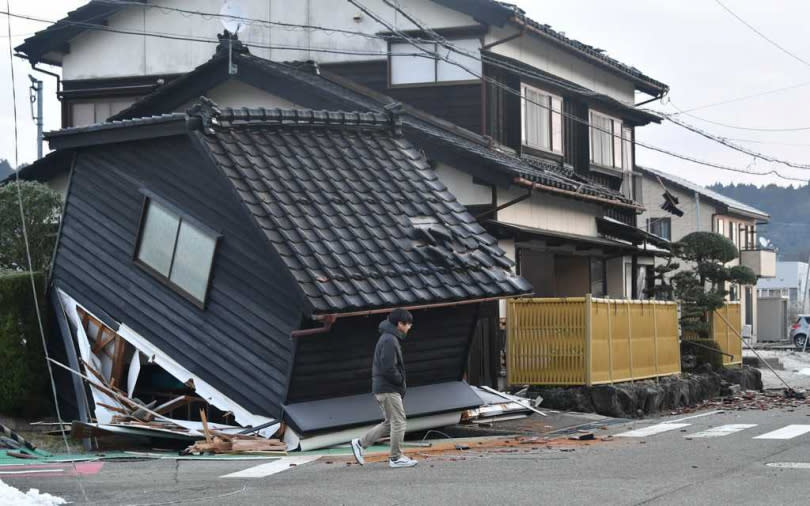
[(462, 186), (652, 196), (548, 212), (546, 56), (99, 54)]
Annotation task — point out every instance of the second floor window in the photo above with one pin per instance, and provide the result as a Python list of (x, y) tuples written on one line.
[(410, 65), (662, 227), (611, 142), (541, 119), (176, 250)]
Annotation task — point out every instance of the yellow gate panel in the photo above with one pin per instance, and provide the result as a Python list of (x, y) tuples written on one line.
[(546, 343), (575, 341)]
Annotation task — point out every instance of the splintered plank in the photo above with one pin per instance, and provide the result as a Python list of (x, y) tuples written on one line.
[(206, 431), (173, 404), (117, 373)]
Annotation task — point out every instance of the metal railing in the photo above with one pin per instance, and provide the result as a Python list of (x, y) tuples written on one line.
[(588, 341)]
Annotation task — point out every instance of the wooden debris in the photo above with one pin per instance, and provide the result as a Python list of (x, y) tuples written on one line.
[(227, 444)]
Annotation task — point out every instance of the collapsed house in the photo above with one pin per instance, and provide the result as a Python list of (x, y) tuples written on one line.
[(246, 256)]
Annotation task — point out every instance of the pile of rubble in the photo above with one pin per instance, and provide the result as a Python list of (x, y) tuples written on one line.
[(753, 400)]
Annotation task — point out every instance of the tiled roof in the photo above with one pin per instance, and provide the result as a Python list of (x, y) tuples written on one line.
[(354, 210), (710, 194)]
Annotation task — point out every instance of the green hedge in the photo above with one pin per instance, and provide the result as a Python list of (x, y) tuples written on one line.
[(24, 389)]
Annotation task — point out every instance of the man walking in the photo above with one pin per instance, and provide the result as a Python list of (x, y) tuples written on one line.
[(388, 386)]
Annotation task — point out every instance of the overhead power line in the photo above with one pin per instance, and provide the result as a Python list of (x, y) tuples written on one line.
[(449, 45), (737, 127), (744, 97), (725, 142), (765, 37), (398, 35)]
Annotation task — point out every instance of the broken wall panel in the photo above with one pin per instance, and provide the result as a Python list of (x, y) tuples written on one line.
[(240, 341), (108, 407)]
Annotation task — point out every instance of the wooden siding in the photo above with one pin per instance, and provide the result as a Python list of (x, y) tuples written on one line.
[(457, 103), (240, 343), (339, 363)]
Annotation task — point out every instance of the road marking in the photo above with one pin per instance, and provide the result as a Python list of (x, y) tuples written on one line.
[(788, 432), (723, 430), (789, 465), (715, 412), (263, 470), (653, 430)]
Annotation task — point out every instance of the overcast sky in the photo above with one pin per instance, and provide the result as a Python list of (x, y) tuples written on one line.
[(696, 47)]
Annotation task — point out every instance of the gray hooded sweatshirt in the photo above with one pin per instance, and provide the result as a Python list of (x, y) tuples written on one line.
[(388, 368)]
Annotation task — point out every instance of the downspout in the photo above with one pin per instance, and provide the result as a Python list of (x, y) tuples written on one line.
[(54, 74), (697, 212)]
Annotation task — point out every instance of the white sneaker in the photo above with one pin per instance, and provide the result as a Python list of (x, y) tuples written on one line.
[(402, 461), (358, 452)]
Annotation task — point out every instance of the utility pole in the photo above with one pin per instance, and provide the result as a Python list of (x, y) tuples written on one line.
[(35, 95), (804, 288)]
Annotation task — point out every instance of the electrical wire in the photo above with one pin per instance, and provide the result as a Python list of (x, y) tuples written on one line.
[(436, 55), (731, 145), (769, 40), (423, 53), (24, 230), (737, 127), (744, 97)]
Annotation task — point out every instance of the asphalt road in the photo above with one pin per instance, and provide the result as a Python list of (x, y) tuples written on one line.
[(672, 466)]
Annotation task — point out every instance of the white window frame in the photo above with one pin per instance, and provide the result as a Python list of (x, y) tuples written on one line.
[(439, 65), (620, 145), (551, 106)]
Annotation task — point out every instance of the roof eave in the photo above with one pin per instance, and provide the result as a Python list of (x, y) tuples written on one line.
[(112, 133), (650, 87)]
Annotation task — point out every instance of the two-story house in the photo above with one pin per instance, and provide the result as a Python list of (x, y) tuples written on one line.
[(553, 102), (704, 210), (534, 135)]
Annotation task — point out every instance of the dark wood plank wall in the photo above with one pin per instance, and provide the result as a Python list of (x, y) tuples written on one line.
[(240, 343), (457, 103), (339, 363)]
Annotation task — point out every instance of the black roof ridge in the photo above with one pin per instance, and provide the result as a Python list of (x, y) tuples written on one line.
[(230, 117)]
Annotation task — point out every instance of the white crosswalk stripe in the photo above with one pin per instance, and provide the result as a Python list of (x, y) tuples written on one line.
[(723, 430), (788, 432), (277, 466), (653, 430)]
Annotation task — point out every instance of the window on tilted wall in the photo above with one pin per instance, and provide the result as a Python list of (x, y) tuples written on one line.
[(611, 143), (541, 114), (176, 249), (411, 65)]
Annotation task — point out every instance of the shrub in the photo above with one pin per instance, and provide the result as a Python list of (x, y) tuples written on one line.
[(23, 374)]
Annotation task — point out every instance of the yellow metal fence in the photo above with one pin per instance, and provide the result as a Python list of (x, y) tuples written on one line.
[(587, 341), (726, 335)]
